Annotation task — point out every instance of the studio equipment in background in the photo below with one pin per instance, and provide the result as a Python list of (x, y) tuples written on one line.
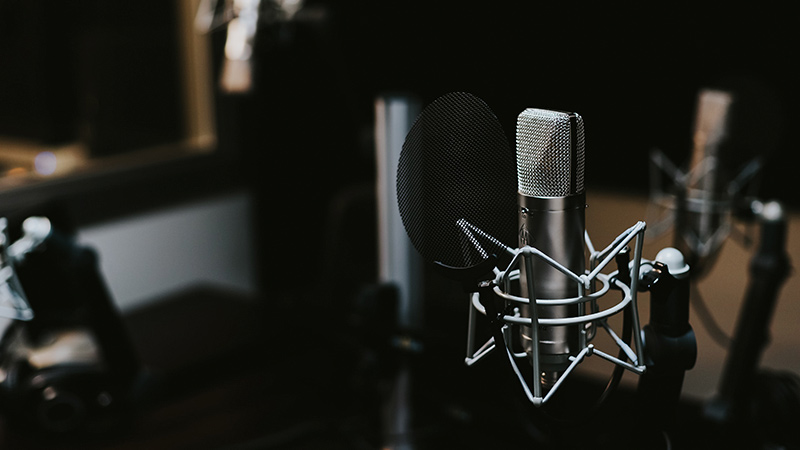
[(400, 268), (767, 401), (68, 365), (13, 301), (699, 202), (701, 205), (242, 19)]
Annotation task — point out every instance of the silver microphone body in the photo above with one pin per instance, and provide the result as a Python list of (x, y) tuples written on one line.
[(552, 200), (702, 212)]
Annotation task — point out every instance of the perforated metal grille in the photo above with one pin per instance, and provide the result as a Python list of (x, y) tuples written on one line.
[(455, 182), (547, 164)]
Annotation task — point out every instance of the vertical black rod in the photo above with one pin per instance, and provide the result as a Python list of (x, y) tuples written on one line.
[(769, 268)]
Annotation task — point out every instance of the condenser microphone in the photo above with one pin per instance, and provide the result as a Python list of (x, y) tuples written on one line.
[(552, 201), (702, 214), (520, 258)]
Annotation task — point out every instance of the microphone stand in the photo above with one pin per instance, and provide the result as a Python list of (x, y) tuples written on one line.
[(400, 269), (670, 346), (742, 390)]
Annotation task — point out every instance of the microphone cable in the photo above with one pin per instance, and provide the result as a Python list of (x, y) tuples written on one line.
[(715, 331)]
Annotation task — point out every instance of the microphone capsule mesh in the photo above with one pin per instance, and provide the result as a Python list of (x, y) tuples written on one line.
[(550, 153)]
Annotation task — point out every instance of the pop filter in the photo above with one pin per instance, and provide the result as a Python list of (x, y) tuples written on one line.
[(456, 186)]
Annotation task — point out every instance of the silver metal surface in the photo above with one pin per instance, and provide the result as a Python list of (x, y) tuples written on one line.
[(550, 159), (633, 361), (398, 261), (556, 228), (550, 172)]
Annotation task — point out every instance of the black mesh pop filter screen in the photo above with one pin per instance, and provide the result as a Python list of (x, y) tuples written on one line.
[(456, 182)]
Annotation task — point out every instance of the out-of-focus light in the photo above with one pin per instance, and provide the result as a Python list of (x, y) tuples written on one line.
[(16, 171), (45, 163)]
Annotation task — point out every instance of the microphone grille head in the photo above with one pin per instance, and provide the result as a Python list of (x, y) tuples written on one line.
[(550, 153)]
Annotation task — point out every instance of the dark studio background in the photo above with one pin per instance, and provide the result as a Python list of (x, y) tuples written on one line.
[(633, 75), (301, 143)]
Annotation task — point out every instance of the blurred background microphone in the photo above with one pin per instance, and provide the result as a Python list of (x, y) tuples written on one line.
[(721, 176), (550, 173), (701, 214)]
